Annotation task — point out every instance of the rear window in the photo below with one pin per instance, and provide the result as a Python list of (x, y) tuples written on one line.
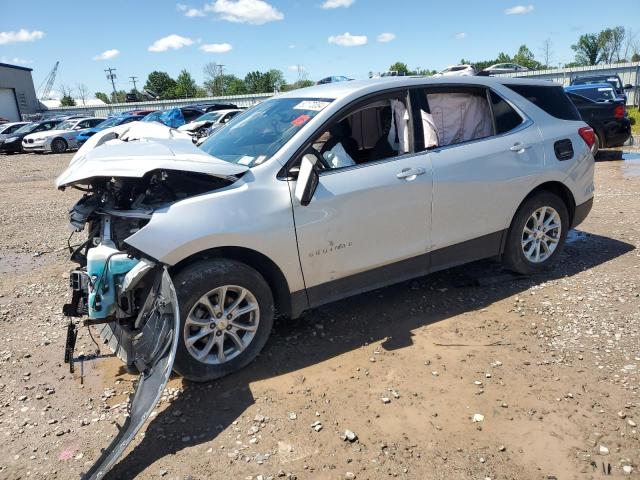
[(552, 100)]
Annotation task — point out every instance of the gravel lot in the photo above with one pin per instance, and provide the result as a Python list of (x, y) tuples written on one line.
[(548, 366)]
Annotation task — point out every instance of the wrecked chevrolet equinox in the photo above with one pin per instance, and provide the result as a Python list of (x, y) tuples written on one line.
[(307, 198)]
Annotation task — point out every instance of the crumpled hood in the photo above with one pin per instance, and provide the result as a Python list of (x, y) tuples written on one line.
[(134, 149), (190, 127)]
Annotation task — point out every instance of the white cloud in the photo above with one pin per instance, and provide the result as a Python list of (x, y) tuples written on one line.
[(519, 10), (189, 11), (216, 47), (386, 37), (255, 12), (108, 54), (21, 35), (336, 4), (461, 35), (15, 61), (348, 40), (170, 42)]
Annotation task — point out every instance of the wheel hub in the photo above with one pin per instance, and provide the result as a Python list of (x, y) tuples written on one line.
[(541, 234)]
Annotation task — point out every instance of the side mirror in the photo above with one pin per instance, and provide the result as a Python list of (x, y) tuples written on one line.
[(307, 179), (628, 86)]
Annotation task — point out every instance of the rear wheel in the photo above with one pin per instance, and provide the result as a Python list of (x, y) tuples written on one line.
[(226, 315), (58, 145), (537, 234)]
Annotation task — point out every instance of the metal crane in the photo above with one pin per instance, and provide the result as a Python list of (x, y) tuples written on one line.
[(48, 82)]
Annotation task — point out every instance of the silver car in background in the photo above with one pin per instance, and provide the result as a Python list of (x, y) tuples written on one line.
[(310, 197), (61, 139)]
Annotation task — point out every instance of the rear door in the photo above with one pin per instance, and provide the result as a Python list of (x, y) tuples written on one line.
[(480, 169)]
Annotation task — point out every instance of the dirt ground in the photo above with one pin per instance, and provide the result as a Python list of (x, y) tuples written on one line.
[(551, 364)]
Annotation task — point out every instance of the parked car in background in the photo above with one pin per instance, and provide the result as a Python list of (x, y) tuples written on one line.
[(614, 80), (84, 135), (503, 68), (175, 117), (142, 112), (457, 71), (13, 143), (333, 79), (205, 124), (3, 120), (603, 112), (210, 107), (8, 128), (60, 139)]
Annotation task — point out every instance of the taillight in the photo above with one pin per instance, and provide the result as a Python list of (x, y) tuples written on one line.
[(588, 135), (618, 112)]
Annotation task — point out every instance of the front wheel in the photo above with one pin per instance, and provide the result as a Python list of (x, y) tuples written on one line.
[(537, 234), (58, 145), (226, 315)]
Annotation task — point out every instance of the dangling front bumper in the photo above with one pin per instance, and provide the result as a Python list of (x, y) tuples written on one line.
[(152, 352)]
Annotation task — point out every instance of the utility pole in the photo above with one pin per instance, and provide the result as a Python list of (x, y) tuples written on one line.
[(219, 79), (112, 76), (133, 80)]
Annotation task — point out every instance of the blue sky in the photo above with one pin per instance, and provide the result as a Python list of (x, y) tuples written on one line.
[(137, 37)]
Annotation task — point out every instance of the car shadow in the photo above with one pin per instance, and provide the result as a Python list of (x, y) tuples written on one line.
[(202, 411)]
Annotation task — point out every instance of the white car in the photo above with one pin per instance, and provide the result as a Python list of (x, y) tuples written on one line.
[(207, 123), (499, 68), (457, 71), (61, 139), (308, 198)]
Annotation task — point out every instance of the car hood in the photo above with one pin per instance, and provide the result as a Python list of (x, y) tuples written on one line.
[(134, 149), (190, 127)]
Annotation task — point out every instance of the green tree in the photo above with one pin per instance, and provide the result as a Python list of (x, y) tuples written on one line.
[(635, 57), (186, 86), (298, 84), (526, 58), (401, 68), (161, 84), (611, 40), (67, 101), (276, 81), (588, 49), (102, 96)]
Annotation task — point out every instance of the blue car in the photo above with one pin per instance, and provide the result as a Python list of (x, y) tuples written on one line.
[(84, 135), (598, 92)]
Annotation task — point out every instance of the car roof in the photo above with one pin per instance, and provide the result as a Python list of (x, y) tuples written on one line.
[(588, 77), (340, 90)]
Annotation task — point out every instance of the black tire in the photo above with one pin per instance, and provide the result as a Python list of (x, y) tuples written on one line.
[(58, 145), (514, 257), (597, 145), (196, 280)]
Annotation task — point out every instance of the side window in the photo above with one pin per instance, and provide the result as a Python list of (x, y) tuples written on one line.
[(552, 99), (450, 115), (83, 124), (506, 118), (375, 130)]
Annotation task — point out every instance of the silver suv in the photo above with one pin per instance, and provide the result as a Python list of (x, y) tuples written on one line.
[(311, 197)]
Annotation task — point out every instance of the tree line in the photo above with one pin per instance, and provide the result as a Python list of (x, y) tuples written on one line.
[(611, 45), (217, 83)]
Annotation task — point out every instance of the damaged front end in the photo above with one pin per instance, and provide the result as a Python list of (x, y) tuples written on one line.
[(128, 295)]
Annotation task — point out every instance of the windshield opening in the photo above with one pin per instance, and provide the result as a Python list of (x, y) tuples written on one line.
[(253, 136), (68, 125), (27, 128), (599, 94), (212, 116)]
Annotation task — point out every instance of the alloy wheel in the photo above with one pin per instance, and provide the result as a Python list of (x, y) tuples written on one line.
[(541, 234), (221, 324)]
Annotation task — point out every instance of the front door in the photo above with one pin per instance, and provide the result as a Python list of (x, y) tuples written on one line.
[(368, 222)]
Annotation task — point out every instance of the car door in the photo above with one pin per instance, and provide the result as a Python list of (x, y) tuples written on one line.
[(367, 224), (479, 181)]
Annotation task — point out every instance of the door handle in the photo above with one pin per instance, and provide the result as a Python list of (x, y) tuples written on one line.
[(519, 147), (410, 172)]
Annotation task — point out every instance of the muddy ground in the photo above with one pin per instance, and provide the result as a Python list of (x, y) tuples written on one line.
[(551, 363)]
